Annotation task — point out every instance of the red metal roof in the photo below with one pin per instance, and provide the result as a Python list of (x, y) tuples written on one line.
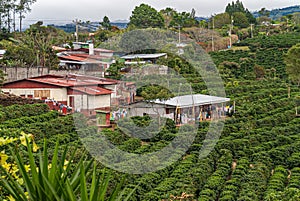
[(102, 81), (66, 82), (92, 90), (70, 80), (70, 57), (88, 56)]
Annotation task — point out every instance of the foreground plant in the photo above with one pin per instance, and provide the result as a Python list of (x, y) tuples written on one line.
[(60, 179)]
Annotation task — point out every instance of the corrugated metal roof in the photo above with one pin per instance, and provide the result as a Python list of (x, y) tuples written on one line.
[(192, 100), (144, 56), (102, 50), (92, 90)]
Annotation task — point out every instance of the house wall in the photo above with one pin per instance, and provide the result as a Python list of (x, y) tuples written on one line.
[(113, 88), (139, 109), (104, 54), (149, 111), (87, 102), (59, 94), (18, 73)]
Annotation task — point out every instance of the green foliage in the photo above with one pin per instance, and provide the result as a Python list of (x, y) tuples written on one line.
[(18, 111), (34, 47), (114, 70), (2, 78), (259, 72), (221, 19), (154, 92), (58, 179), (106, 23), (144, 16), (292, 62), (137, 41), (183, 19), (242, 17)]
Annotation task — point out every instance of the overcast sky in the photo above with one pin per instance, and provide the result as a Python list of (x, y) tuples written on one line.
[(62, 11)]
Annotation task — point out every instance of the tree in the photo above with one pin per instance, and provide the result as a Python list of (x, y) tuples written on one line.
[(221, 20), (235, 7), (8, 11), (240, 19), (145, 16), (238, 7), (106, 23), (34, 47), (201, 34), (264, 12), (136, 41), (168, 14), (292, 61), (114, 70), (153, 92), (184, 19)]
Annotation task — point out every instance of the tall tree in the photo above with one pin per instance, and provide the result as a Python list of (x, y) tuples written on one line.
[(240, 19), (8, 11), (235, 7), (292, 61), (145, 16), (243, 13), (221, 20), (264, 12), (106, 23), (184, 19), (34, 47), (23, 7), (168, 15)]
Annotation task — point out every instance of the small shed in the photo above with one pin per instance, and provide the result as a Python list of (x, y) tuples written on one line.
[(103, 118)]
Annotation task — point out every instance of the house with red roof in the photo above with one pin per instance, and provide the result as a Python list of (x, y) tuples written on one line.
[(84, 57), (80, 93)]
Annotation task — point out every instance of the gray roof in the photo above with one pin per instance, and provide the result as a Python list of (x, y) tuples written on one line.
[(192, 100), (143, 56)]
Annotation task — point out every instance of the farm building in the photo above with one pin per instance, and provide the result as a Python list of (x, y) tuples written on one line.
[(182, 109), (79, 92), (142, 58)]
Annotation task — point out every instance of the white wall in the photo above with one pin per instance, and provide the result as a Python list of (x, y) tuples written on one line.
[(113, 88), (91, 102), (56, 94)]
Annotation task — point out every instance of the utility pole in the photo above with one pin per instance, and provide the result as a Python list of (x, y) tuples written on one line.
[(179, 34), (230, 30), (212, 35), (180, 50), (76, 24), (251, 27)]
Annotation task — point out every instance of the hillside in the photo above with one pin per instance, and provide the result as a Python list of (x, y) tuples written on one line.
[(276, 14), (256, 158)]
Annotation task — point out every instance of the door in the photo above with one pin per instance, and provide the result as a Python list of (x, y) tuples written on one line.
[(71, 101)]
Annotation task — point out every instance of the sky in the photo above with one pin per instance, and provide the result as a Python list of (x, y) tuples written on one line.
[(65, 11)]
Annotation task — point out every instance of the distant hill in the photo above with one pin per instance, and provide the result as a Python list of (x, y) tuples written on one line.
[(278, 13), (201, 18), (91, 27)]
